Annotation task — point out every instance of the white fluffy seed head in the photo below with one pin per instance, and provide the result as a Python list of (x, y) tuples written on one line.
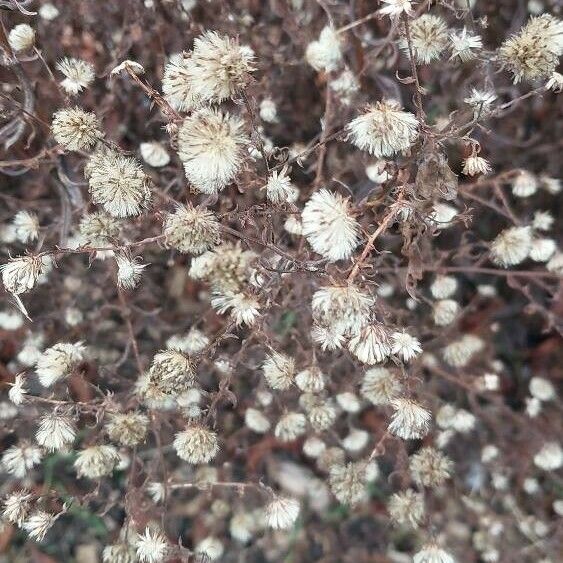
[(151, 546), (281, 513), (196, 444), (410, 420), (58, 361), (177, 83), (475, 164), (512, 246), (26, 225), (127, 429), (405, 346), (525, 184), (550, 457), (78, 75), (533, 53), (329, 225), (429, 37), (464, 45), (430, 467), (407, 508), (20, 274), (445, 311), (154, 154), (371, 344), (380, 386), (19, 459), (443, 287), (279, 370), (191, 230), (384, 129), (210, 146), (117, 183), (96, 461), (324, 53), (76, 129), (290, 426), (17, 506), (432, 553), (542, 389), (129, 270), (21, 37), (55, 432), (256, 421), (171, 372), (38, 524), (280, 189), (348, 482)]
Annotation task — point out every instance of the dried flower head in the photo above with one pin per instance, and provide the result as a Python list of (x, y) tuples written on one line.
[(219, 67), (279, 370), (348, 482), (210, 548), (396, 8), (384, 129), (445, 311), (18, 390), (329, 226), (17, 506), (550, 457), (78, 75), (475, 164), (324, 53), (310, 380), (371, 344), (290, 426), (21, 37), (542, 389), (151, 546), (58, 361), (172, 372), (430, 467), (21, 458), (407, 507), (429, 37), (405, 346), (256, 421), (432, 553), (154, 154), (322, 415), (129, 270), (191, 230), (26, 226), (96, 461), (20, 274), (534, 51), (282, 513), (555, 82), (196, 444), (459, 352), (128, 429), (380, 386), (119, 553), (117, 183), (210, 146), (410, 420), (76, 129), (99, 228), (525, 184), (464, 44), (55, 431), (244, 309), (443, 287), (279, 188), (38, 524), (512, 246), (542, 249)]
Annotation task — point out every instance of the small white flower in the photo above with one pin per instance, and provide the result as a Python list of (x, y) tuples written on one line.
[(26, 226), (279, 370), (325, 54), (371, 344), (328, 337), (290, 426), (328, 225), (405, 346), (244, 309), (196, 444), (281, 513), (152, 546)]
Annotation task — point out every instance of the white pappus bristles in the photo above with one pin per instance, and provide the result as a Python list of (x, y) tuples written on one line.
[(117, 183), (171, 372), (371, 345), (20, 274), (96, 461), (18, 390), (128, 429), (380, 386), (463, 45), (348, 482), (281, 513), (432, 553), (154, 154), (210, 146), (17, 506), (129, 271), (38, 524), (76, 129), (324, 53), (405, 346), (511, 246), (191, 230), (290, 426), (279, 370), (384, 129), (395, 8), (196, 444), (21, 37), (407, 507), (26, 226), (474, 165), (56, 432), (279, 188), (410, 420), (59, 361), (429, 37), (21, 458), (151, 546), (78, 75), (244, 309), (329, 226)]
